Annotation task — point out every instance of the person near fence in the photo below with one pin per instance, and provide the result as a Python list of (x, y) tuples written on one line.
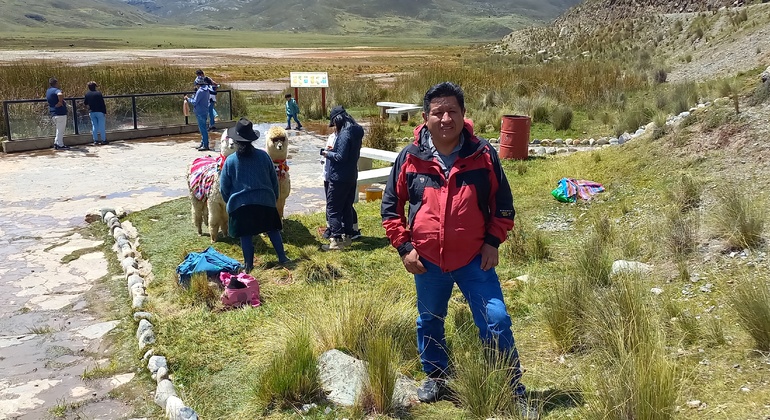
[(212, 86), (97, 110), (249, 186), (292, 111), (460, 210), (58, 110), (342, 175), (200, 103)]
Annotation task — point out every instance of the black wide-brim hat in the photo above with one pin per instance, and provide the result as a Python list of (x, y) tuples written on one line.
[(243, 131)]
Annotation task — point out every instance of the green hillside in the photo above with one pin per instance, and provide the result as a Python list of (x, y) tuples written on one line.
[(71, 14)]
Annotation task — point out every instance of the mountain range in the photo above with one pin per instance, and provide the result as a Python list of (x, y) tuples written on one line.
[(431, 18)]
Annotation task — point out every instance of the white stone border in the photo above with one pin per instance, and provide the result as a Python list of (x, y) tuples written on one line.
[(125, 248)]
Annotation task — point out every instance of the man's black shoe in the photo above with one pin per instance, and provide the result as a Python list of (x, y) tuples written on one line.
[(204, 149), (432, 390)]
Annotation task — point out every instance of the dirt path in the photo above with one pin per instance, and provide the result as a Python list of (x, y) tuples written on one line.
[(49, 333)]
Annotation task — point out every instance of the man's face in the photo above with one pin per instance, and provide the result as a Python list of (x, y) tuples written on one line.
[(445, 119)]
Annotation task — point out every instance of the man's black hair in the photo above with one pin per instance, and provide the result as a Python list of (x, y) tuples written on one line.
[(199, 72), (443, 90), (288, 95), (52, 81)]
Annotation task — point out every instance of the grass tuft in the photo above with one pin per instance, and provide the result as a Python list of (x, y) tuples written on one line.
[(739, 217), (751, 301), (291, 377), (562, 118), (381, 370)]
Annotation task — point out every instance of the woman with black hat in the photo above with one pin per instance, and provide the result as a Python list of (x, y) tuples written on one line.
[(249, 186)]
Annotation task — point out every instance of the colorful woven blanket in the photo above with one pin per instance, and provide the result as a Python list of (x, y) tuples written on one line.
[(202, 173), (570, 189)]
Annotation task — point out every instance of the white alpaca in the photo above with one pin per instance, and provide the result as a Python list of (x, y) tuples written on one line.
[(203, 182), (277, 146)]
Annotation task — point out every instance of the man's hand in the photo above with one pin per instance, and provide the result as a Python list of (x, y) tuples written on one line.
[(412, 263), (489, 257)]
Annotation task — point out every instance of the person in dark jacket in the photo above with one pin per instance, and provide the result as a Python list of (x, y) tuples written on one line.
[(342, 177), (460, 210), (97, 111), (249, 186)]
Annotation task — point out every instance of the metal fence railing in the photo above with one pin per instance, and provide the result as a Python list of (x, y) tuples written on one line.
[(30, 118)]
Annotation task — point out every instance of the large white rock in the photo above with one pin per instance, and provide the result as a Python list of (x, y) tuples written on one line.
[(342, 377), (623, 266)]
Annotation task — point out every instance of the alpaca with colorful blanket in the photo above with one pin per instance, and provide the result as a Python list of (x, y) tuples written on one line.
[(277, 146), (207, 205)]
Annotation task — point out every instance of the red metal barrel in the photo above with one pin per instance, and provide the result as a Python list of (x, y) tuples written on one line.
[(514, 137)]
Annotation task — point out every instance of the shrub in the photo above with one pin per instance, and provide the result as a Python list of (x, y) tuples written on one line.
[(685, 193), (378, 135), (203, 292), (562, 118), (752, 302), (660, 129), (632, 119), (564, 312), (739, 217), (659, 76), (680, 232), (292, 376), (541, 113), (593, 263)]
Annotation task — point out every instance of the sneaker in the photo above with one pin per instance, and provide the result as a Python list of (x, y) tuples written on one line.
[(432, 390), (57, 147), (526, 411), (299, 127), (288, 128), (356, 235), (204, 149), (104, 143), (335, 244), (96, 143), (212, 128)]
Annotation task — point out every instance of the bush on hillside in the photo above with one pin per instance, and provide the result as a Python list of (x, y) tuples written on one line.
[(660, 76)]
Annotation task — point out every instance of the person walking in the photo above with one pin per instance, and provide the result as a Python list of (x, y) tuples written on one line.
[(328, 233), (342, 177), (58, 110), (212, 86), (460, 210), (200, 103), (249, 187), (292, 111), (97, 110)]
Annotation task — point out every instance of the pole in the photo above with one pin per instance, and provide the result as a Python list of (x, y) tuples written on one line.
[(296, 94), (323, 101), (75, 117), (133, 110), (7, 119), (230, 94)]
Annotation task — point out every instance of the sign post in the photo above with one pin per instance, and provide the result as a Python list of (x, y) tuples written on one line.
[(310, 79)]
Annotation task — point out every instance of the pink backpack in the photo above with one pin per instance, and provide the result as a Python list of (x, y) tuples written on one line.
[(240, 290)]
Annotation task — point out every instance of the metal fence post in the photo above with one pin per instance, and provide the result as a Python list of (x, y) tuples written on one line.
[(230, 92), (133, 110), (7, 119), (75, 116)]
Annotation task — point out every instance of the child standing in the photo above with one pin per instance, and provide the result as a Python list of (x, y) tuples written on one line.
[(292, 110)]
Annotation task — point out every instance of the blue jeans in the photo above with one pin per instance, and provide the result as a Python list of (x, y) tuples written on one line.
[(288, 121), (212, 113), (203, 129), (485, 297), (98, 126)]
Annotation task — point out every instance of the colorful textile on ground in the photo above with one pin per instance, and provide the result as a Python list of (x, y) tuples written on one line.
[(209, 261), (570, 189), (281, 168), (202, 174)]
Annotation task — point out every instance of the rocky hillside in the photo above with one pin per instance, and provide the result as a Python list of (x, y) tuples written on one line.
[(50, 15), (688, 39)]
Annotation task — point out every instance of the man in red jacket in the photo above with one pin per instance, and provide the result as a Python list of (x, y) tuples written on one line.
[(460, 210)]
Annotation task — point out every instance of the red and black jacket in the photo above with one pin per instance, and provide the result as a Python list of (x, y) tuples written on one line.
[(450, 218)]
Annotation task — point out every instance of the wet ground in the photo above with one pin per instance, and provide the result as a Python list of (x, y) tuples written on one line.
[(49, 333)]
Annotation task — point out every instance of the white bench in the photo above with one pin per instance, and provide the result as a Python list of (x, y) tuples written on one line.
[(368, 154), (371, 176), (398, 108)]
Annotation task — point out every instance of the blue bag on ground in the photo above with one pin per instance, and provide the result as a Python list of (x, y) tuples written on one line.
[(209, 261)]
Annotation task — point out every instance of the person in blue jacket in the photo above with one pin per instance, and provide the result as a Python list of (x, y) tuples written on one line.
[(249, 186), (200, 103), (292, 110), (342, 176), (58, 111)]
